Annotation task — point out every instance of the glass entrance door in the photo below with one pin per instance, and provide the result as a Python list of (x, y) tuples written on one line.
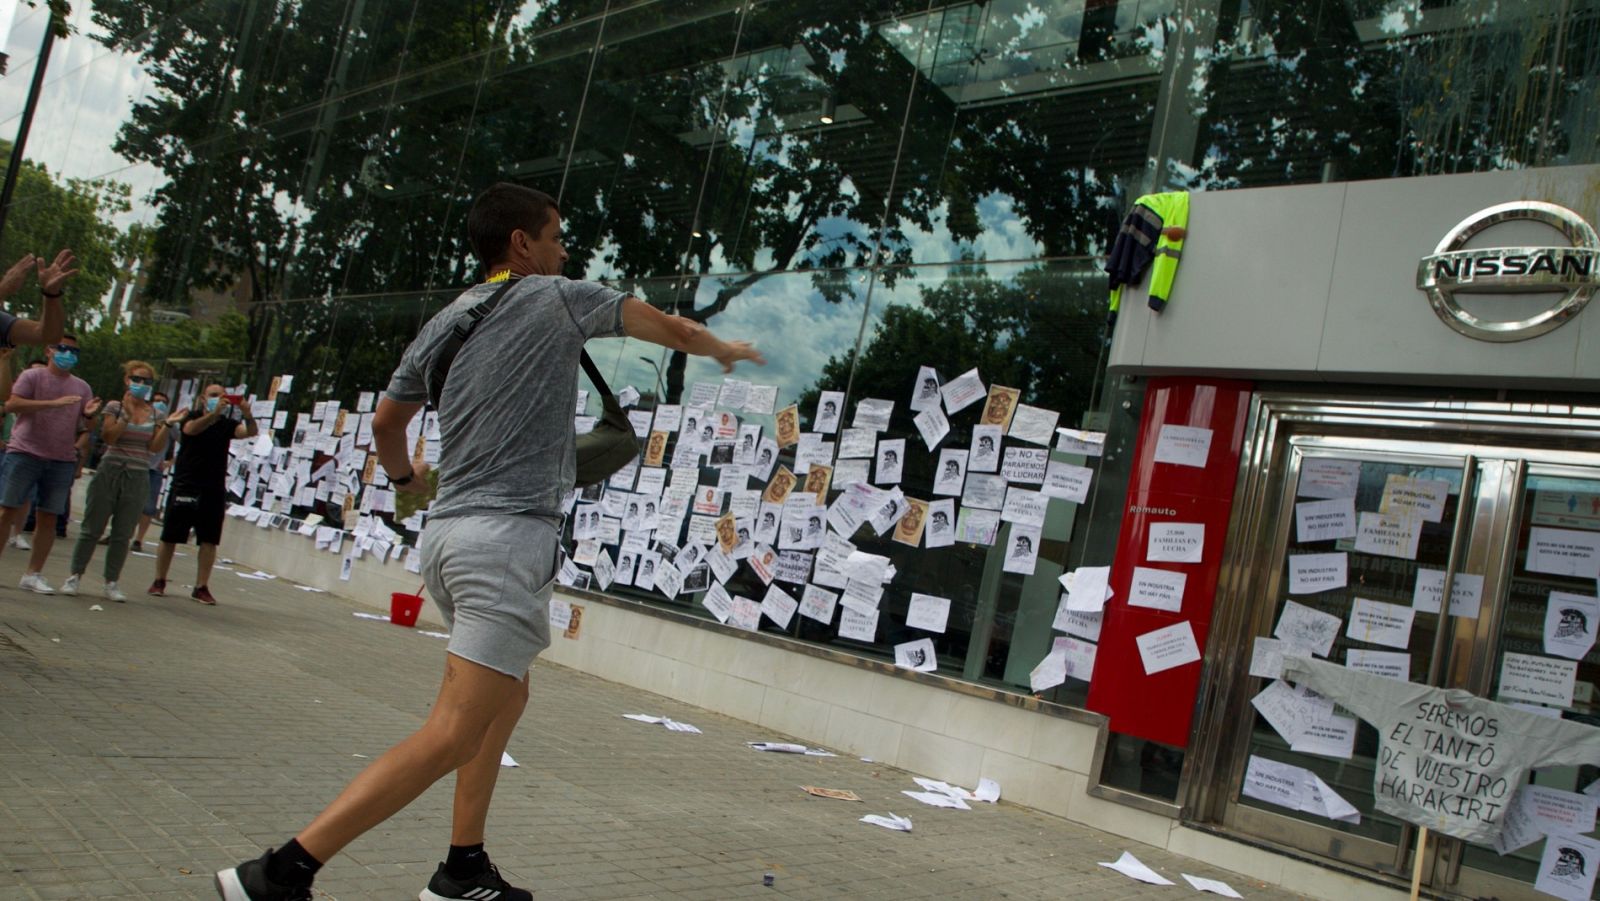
[(1355, 522)]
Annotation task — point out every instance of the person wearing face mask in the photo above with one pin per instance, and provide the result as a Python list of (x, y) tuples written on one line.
[(198, 498), (160, 461), (51, 405), (131, 431)]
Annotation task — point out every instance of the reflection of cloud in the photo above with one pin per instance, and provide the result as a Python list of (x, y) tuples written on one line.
[(88, 92), (796, 329), (1003, 236)]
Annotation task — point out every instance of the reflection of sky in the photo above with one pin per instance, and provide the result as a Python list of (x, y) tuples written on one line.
[(1004, 235), (87, 95), (795, 328)]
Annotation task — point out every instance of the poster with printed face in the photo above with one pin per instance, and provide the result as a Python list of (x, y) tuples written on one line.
[(940, 530), (1024, 550), (891, 461), (1570, 621), (766, 459), (766, 519), (830, 409), (818, 480), (788, 426), (985, 453), (1001, 404), (951, 473), (1567, 867), (783, 482), (744, 451), (655, 449), (925, 393), (727, 533)]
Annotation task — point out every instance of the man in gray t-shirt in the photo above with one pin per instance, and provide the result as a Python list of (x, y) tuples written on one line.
[(520, 369), (491, 546)]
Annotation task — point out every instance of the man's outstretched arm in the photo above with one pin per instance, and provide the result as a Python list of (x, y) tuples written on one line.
[(642, 321)]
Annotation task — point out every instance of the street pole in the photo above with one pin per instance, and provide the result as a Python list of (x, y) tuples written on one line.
[(27, 121)]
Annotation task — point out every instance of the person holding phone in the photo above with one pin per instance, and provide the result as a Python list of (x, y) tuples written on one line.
[(198, 499)]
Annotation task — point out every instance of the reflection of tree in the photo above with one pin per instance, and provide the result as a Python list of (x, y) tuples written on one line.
[(47, 214), (1026, 332), (272, 159), (1297, 92), (329, 149)]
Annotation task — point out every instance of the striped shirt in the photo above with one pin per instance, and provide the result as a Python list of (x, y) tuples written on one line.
[(132, 447)]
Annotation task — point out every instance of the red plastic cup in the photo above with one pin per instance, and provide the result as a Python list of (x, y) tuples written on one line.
[(403, 608), (235, 399)]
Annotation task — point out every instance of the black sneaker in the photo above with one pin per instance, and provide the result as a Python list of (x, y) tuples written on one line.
[(486, 886), (248, 882)]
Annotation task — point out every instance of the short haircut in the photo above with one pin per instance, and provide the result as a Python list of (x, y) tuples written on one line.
[(502, 209), (69, 336), (132, 366)]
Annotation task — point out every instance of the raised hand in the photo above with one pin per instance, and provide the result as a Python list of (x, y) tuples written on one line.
[(54, 276), (67, 400), (734, 351), (93, 407), (11, 282)]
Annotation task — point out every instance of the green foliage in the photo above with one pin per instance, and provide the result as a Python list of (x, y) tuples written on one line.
[(1040, 332), (46, 215), (106, 349)]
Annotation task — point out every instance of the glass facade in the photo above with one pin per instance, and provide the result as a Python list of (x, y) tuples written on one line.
[(862, 187)]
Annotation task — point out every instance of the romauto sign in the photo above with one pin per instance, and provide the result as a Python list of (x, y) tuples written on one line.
[(1568, 274)]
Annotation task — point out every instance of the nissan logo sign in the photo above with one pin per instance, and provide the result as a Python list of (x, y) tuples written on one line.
[(1572, 271)]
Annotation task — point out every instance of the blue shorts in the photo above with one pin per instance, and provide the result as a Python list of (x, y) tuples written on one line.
[(52, 478)]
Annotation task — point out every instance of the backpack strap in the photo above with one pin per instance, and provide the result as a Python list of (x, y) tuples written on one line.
[(458, 336), (607, 399)]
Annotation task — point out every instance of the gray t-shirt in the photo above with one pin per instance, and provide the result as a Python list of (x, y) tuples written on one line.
[(1447, 759), (506, 415)]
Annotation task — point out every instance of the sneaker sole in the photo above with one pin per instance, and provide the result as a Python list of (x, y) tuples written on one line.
[(229, 887), (484, 894)]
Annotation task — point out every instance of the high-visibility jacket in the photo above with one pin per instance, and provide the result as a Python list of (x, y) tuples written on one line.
[(1144, 241)]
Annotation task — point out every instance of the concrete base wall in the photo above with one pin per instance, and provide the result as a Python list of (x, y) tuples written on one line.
[(1040, 760)]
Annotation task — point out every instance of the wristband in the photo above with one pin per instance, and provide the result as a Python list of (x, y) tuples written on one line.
[(405, 481), (49, 295)]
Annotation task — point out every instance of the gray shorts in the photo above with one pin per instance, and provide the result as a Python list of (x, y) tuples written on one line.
[(491, 577)]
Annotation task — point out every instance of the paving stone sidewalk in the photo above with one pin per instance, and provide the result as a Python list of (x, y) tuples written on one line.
[(146, 744)]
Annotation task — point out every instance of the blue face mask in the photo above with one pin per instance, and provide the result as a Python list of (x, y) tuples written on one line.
[(211, 404), (161, 408), (66, 359), (142, 392)]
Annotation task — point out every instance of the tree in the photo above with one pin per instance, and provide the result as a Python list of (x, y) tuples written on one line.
[(48, 214), (107, 347)]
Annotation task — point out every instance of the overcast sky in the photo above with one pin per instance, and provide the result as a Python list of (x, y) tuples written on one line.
[(87, 95)]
